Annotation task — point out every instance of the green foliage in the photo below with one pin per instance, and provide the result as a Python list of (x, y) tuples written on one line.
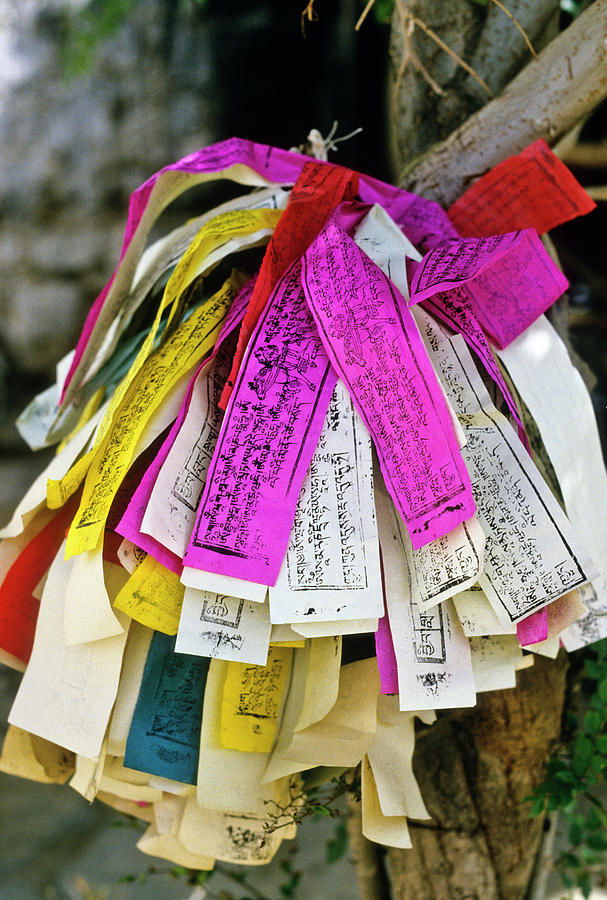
[(382, 10), (573, 7), (337, 845), (573, 775), (87, 28)]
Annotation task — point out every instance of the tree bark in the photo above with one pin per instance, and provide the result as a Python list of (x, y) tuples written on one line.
[(476, 767), (486, 39), (546, 99)]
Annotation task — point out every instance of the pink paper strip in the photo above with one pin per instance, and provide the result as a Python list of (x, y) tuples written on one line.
[(130, 523), (375, 346), (273, 164), (533, 629), (510, 278), (425, 223), (269, 433), (386, 658)]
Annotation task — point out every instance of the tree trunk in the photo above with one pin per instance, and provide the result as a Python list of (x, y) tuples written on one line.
[(475, 767)]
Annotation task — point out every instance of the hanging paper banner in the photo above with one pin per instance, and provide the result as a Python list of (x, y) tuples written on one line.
[(265, 445), (533, 189), (374, 345), (165, 732), (532, 555), (331, 570)]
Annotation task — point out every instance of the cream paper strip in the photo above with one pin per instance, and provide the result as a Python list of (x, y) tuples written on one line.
[(224, 584), (554, 393), (161, 839), (477, 616), (391, 756), (87, 611), (342, 626), (392, 831), (243, 791), (67, 692), (237, 839), (494, 661), (432, 652), (331, 569), (532, 554), (339, 738)]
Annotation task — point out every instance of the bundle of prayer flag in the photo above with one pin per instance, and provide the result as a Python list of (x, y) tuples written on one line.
[(294, 505)]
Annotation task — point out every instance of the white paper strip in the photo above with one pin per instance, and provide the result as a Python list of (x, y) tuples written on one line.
[(223, 627), (331, 570), (554, 393), (67, 693), (532, 554), (431, 649)]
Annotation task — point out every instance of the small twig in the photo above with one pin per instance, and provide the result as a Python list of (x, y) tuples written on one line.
[(458, 59), (416, 61), (409, 23), (309, 13), (517, 25), (364, 14)]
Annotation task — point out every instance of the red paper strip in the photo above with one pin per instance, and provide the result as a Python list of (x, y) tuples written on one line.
[(531, 190), (317, 191), (18, 606)]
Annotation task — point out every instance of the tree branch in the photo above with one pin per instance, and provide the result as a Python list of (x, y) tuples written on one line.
[(545, 100)]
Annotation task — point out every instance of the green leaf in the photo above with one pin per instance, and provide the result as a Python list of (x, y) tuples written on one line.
[(592, 722), (602, 690), (597, 841), (569, 860), (537, 807), (576, 834), (585, 884), (338, 844)]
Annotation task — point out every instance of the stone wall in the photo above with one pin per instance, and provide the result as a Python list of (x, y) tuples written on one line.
[(71, 151)]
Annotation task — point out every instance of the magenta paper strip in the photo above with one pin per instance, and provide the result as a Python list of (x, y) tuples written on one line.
[(375, 346), (511, 280), (239, 160), (130, 524), (386, 658), (269, 433), (533, 629)]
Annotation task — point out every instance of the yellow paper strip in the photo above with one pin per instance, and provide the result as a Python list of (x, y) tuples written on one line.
[(251, 702), (212, 235), (188, 344), (152, 596)]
